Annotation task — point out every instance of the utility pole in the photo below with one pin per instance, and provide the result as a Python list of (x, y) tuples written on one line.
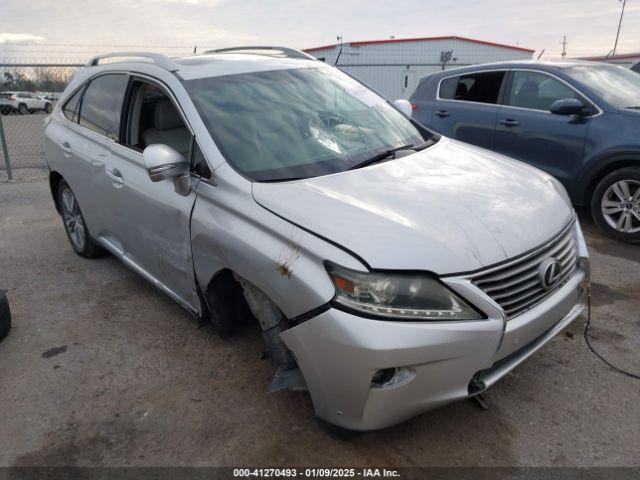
[(339, 39), (564, 47), (615, 45)]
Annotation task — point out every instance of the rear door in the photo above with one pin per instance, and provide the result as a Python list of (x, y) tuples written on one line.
[(466, 106), (90, 142), (33, 101), (80, 144), (528, 131)]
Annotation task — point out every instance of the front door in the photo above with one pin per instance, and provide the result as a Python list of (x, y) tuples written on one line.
[(528, 131), (150, 222)]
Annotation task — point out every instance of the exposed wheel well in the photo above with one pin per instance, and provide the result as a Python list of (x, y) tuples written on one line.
[(54, 182), (232, 301), (623, 162), (227, 308)]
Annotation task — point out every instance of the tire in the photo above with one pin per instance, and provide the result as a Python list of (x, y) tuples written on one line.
[(47, 108), (75, 225), (5, 316), (22, 109), (615, 205)]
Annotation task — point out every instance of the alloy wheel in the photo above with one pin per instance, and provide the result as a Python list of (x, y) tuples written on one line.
[(73, 220), (620, 206)]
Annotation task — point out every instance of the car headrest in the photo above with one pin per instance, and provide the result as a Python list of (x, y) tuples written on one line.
[(529, 88), (165, 115), (462, 91)]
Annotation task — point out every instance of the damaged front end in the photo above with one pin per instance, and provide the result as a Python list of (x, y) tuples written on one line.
[(273, 323)]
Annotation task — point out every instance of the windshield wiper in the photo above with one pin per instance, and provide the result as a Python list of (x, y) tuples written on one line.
[(392, 151), (633, 108)]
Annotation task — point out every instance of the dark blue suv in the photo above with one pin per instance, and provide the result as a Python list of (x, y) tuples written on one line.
[(579, 121)]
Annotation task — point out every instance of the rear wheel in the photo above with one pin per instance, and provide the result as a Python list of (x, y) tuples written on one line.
[(47, 108), (74, 224), (22, 109), (615, 204)]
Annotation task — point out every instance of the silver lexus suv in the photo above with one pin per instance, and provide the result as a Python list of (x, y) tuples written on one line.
[(391, 270)]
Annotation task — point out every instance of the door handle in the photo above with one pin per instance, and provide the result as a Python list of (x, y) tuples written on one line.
[(442, 113), (115, 176), (510, 122), (66, 148)]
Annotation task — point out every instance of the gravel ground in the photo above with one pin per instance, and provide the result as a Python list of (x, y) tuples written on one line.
[(102, 369)]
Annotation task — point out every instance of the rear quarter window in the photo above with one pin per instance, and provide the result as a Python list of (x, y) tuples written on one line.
[(72, 106)]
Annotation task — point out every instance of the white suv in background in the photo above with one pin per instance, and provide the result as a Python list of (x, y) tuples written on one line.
[(23, 103)]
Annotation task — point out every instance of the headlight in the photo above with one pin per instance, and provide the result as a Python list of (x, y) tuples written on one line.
[(403, 296)]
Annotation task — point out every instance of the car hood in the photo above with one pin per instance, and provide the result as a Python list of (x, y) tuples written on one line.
[(451, 208)]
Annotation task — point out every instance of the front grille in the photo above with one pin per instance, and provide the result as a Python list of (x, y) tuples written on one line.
[(517, 286)]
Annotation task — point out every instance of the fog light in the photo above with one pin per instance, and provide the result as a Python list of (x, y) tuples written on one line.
[(392, 377)]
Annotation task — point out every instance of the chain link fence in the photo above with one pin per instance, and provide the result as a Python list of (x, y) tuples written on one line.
[(28, 92)]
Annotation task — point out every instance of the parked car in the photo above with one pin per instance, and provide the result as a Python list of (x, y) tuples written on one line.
[(23, 103), (49, 96), (6, 106), (579, 121), (5, 316), (391, 269)]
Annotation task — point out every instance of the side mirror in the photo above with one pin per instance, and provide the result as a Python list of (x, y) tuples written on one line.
[(568, 106), (163, 162), (404, 106)]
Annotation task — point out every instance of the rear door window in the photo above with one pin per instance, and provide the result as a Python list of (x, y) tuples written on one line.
[(482, 87), (537, 91), (102, 103)]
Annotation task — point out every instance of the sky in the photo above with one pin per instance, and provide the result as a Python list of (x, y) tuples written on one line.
[(62, 29)]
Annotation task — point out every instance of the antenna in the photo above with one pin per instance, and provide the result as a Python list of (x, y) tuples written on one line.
[(564, 47), (615, 45)]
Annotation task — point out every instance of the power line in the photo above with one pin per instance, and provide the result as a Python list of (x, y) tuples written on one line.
[(46, 45)]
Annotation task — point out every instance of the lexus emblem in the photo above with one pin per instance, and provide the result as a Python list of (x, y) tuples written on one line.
[(548, 272)]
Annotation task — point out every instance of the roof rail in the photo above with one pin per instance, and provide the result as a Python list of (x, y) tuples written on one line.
[(286, 51), (156, 58)]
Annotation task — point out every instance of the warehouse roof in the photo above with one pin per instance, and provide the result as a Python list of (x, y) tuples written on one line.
[(422, 39), (623, 56)]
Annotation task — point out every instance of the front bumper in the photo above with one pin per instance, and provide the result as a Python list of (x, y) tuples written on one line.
[(339, 353)]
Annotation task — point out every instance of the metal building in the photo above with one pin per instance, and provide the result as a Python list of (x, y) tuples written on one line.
[(393, 67)]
